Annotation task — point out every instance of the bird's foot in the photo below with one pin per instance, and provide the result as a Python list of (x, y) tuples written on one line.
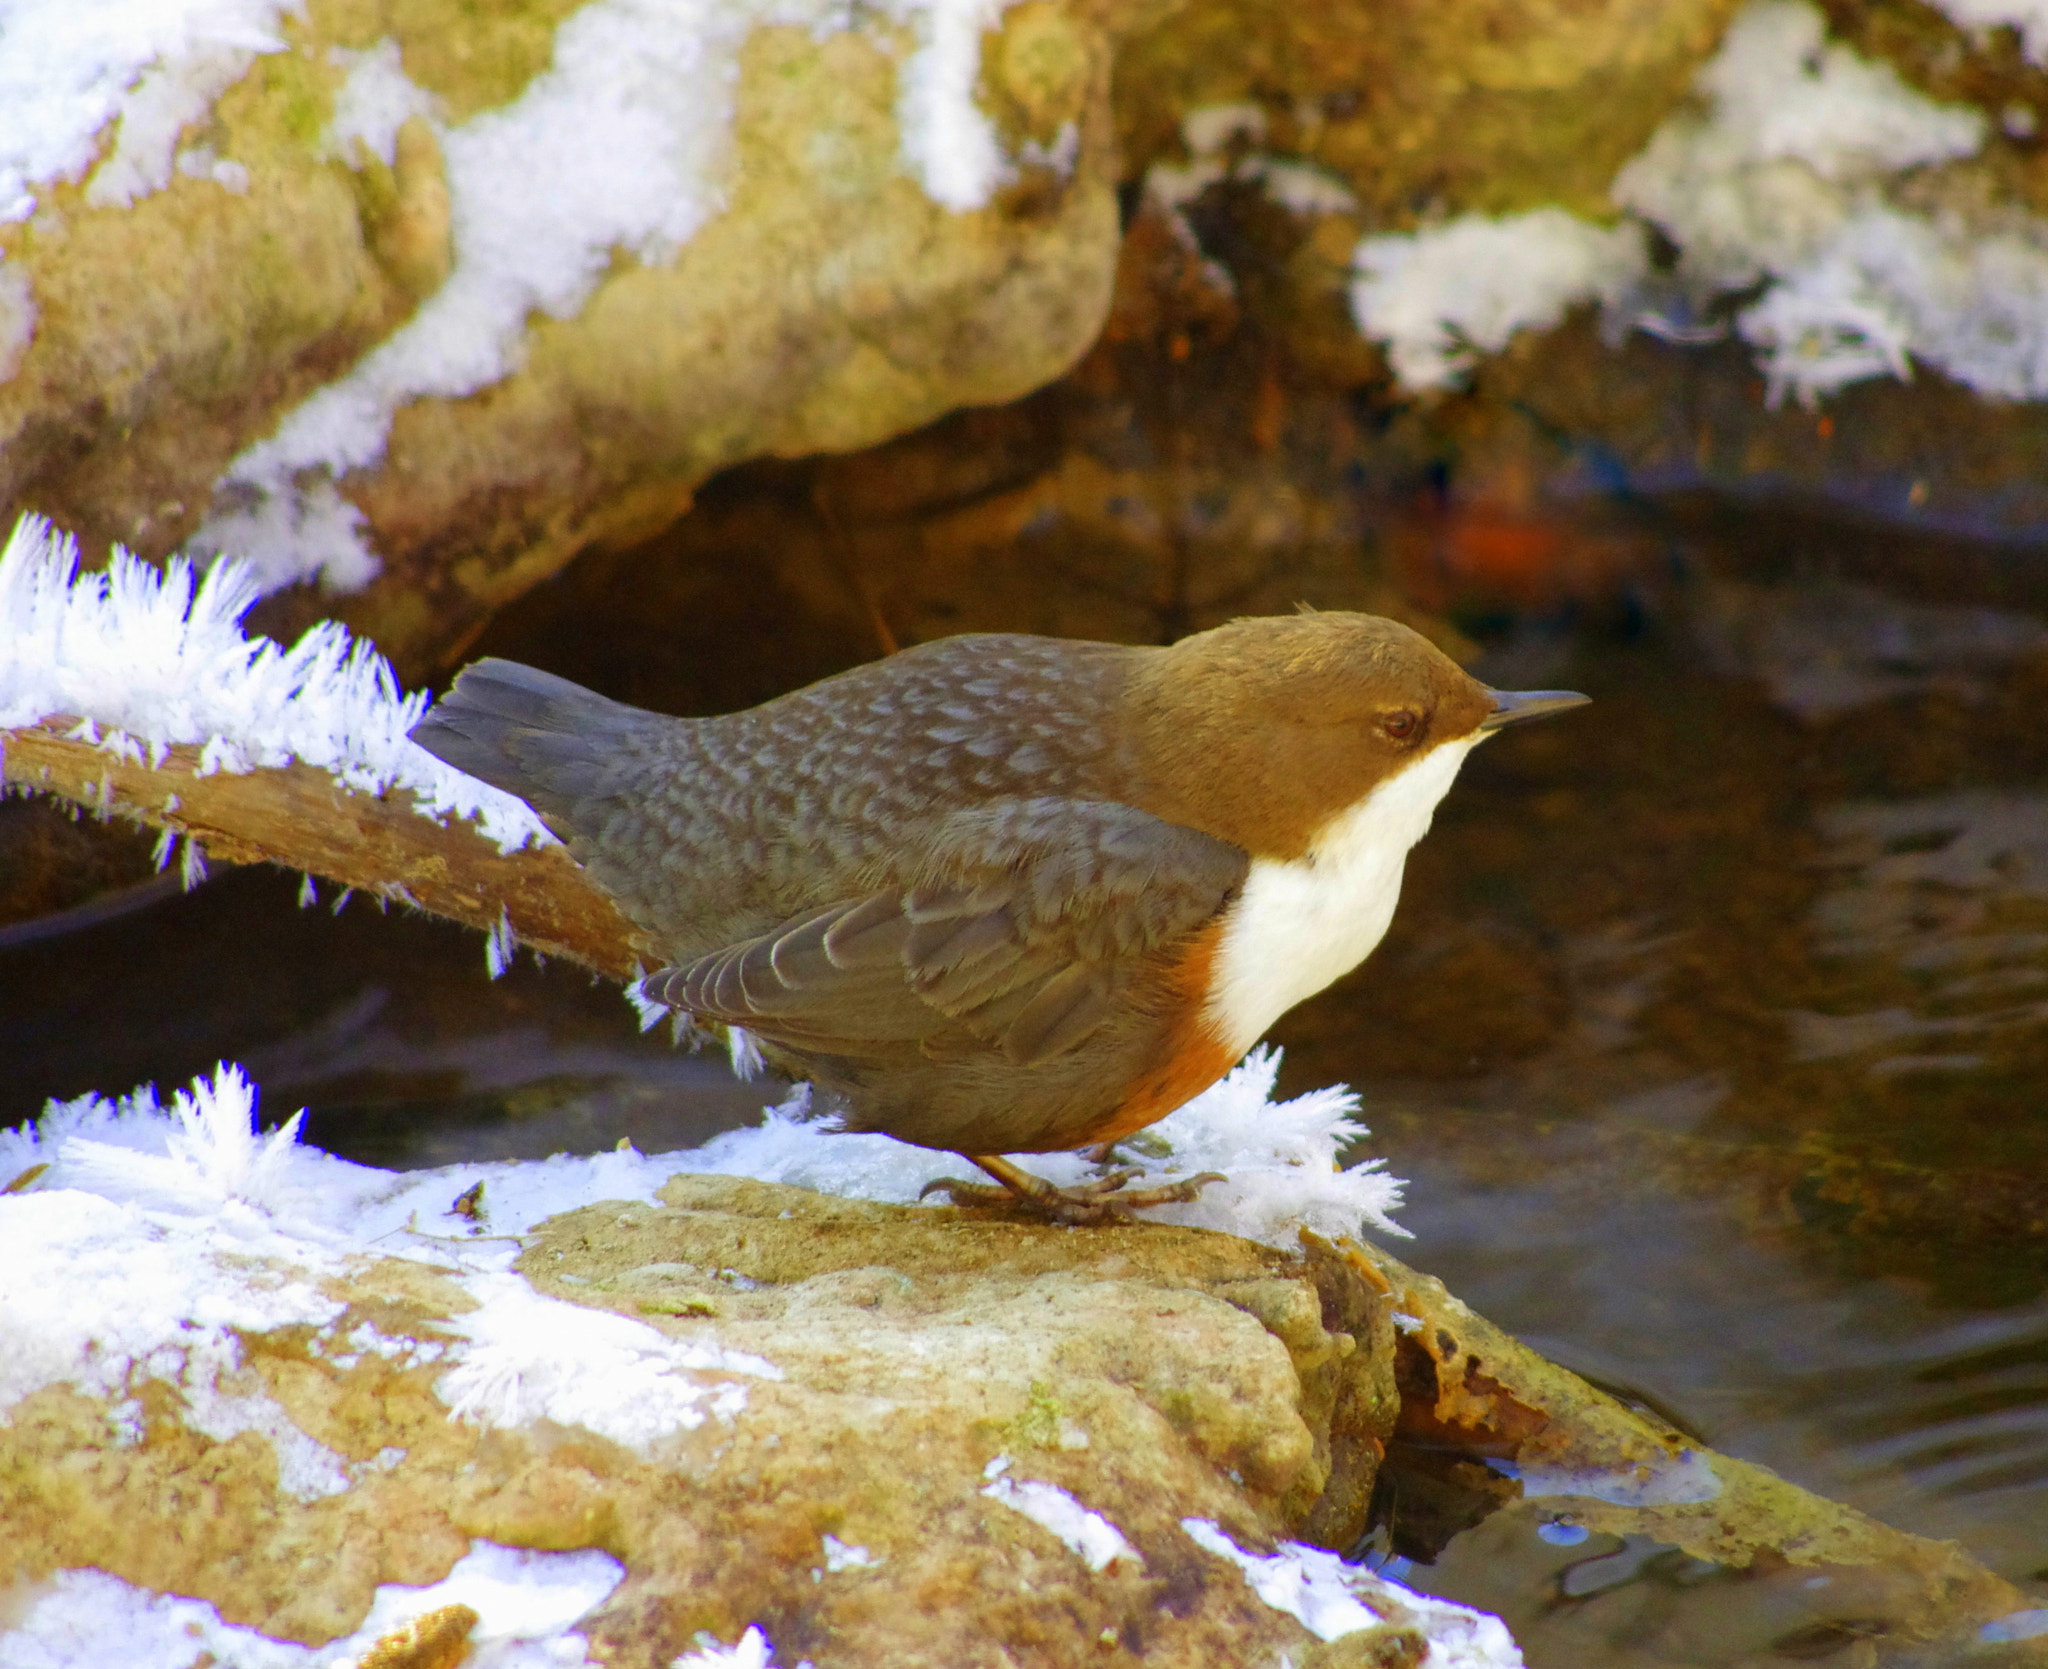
[(1105, 1200)]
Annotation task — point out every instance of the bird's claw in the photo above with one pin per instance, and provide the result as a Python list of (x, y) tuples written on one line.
[(1105, 1200)]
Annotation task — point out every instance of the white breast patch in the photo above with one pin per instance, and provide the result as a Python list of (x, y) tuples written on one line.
[(1300, 924)]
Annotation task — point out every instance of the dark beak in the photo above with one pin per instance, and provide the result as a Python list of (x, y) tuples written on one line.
[(1517, 706)]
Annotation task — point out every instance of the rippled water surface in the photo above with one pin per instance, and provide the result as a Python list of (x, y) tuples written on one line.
[(1711, 1037)]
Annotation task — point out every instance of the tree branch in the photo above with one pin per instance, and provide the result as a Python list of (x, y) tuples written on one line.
[(300, 816)]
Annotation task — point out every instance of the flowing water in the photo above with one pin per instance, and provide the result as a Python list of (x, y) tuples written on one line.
[(1711, 1037)]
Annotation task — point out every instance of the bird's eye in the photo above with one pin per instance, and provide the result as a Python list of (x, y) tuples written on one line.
[(1401, 726)]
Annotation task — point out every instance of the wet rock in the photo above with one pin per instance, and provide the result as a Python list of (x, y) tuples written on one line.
[(1521, 1453)]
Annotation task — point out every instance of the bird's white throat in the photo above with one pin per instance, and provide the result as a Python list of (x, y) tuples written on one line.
[(1302, 923)]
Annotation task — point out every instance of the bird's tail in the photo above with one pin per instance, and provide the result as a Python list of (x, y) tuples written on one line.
[(554, 744)]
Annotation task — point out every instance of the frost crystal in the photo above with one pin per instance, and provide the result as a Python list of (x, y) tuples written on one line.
[(158, 657), (528, 1358), (1279, 1159)]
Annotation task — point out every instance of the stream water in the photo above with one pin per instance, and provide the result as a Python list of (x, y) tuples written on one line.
[(1710, 1038)]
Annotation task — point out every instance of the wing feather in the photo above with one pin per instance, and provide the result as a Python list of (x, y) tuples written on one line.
[(1020, 930)]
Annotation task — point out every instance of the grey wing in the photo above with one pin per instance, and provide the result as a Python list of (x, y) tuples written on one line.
[(1021, 930)]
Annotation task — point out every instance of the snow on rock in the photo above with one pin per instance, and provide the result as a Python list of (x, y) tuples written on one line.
[(1332, 1599), (527, 1605), (173, 1276), (750, 1651), (166, 1212), (2028, 17), (1783, 176), (532, 1358), (542, 209), (1098, 1542), (1441, 297), (140, 69), (148, 657)]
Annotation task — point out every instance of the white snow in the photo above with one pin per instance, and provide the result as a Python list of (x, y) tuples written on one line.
[(841, 1555), (619, 145), (188, 1230), (1331, 1599), (948, 143), (1222, 143), (149, 657), (159, 1237), (622, 145), (532, 1358), (1087, 1534), (161, 1213), (71, 73), (527, 1606), (1783, 174), (2028, 17), (750, 1651), (155, 112), (1440, 297), (376, 100), (1779, 91)]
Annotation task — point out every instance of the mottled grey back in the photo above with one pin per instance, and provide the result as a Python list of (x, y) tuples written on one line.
[(710, 831)]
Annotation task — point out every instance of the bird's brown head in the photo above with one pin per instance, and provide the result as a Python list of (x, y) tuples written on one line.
[(1263, 730)]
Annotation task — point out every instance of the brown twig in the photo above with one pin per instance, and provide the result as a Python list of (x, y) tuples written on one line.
[(302, 818)]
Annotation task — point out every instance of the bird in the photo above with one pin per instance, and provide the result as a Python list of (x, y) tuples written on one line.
[(1003, 894)]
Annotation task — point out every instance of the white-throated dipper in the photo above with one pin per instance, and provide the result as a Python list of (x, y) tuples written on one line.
[(1002, 894)]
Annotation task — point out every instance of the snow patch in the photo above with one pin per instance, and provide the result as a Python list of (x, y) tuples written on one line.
[(167, 100), (376, 100), (158, 657), (532, 1358), (1331, 1599), (103, 1296), (1098, 1543), (841, 1555), (527, 1606), (2028, 17), (1779, 177), (1439, 298), (948, 143), (183, 1229), (144, 68), (1222, 144), (750, 1651)]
